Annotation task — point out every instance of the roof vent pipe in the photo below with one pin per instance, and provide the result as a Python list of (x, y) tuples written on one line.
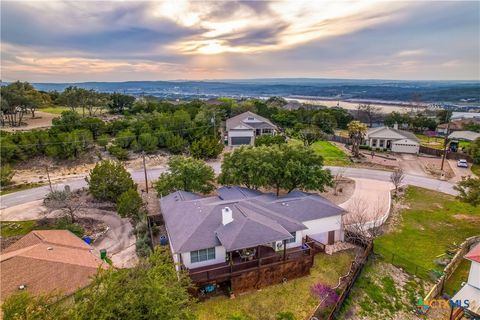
[(227, 216)]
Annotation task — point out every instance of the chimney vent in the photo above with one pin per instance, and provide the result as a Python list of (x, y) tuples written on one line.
[(227, 216)]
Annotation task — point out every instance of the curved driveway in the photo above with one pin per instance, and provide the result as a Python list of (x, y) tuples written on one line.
[(29, 195)]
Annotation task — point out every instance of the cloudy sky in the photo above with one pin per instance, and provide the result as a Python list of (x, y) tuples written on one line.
[(58, 41)]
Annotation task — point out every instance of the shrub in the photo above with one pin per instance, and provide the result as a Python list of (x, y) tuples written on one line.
[(267, 140), (175, 144), (129, 203), (285, 316), (142, 246), (206, 148), (325, 294), (365, 147), (108, 180), (118, 152), (6, 175)]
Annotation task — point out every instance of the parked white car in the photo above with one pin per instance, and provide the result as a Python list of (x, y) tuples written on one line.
[(462, 163)]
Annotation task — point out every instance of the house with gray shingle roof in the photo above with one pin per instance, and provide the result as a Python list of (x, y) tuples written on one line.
[(243, 128), (386, 138), (240, 224)]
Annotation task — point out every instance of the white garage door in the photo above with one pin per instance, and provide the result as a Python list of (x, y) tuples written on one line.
[(405, 148)]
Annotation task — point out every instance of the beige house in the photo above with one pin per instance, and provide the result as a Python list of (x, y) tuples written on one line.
[(244, 128), (386, 138)]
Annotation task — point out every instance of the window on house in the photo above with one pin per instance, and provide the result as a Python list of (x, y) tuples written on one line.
[(294, 235), (374, 142), (382, 143), (267, 131), (250, 118), (202, 255)]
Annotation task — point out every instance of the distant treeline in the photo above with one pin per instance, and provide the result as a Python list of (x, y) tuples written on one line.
[(423, 91)]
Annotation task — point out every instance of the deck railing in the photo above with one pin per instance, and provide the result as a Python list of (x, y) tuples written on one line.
[(221, 272)]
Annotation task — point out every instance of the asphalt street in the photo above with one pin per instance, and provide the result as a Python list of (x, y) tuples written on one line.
[(38, 193)]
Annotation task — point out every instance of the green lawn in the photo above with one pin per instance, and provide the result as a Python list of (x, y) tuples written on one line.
[(460, 275), (293, 296), (431, 142), (54, 109), (333, 155), (476, 169), (59, 110), (432, 223), (16, 228)]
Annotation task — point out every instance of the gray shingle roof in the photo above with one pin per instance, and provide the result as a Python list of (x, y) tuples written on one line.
[(195, 222), (239, 120)]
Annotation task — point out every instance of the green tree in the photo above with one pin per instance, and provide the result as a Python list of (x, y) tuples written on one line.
[(6, 174), (175, 144), (356, 131), (24, 306), (309, 135), (124, 139), (120, 102), (474, 151), (147, 142), (103, 140), (129, 204), (206, 148), (469, 190), (187, 174), (286, 167), (150, 290), (108, 180), (245, 166), (269, 140), (119, 153)]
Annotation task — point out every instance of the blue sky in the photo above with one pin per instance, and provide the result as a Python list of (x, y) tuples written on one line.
[(57, 41)]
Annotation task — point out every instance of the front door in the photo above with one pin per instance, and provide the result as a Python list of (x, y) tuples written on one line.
[(389, 144), (331, 237)]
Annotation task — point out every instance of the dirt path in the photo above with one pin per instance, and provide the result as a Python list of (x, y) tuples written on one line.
[(41, 120), (119, 240)]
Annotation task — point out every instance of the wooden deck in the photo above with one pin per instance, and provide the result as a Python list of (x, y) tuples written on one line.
[(267, 258)]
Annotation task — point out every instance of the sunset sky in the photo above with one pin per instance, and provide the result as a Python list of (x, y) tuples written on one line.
[(54, 41)]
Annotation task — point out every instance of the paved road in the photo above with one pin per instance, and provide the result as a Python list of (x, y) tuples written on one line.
[(29, 195)]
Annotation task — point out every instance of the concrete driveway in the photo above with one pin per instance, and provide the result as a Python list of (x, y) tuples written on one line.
[(370, 202), (459, 172)]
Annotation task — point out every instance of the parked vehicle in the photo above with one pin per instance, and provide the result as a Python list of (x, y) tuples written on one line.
[(462, 163)]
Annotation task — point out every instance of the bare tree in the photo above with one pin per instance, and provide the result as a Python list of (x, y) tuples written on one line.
[(397, 177), (337, 179), (70, 205), (362, 223), (370, 111)]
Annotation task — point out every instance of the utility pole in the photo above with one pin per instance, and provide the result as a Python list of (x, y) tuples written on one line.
[(445, 143), (49, 181), (214, 125), (145, 171)]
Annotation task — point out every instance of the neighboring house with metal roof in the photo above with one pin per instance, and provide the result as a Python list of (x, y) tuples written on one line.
[(464, 135), (45, 261), (392, 139), (205, 231), (243, 128), (468, 297)]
